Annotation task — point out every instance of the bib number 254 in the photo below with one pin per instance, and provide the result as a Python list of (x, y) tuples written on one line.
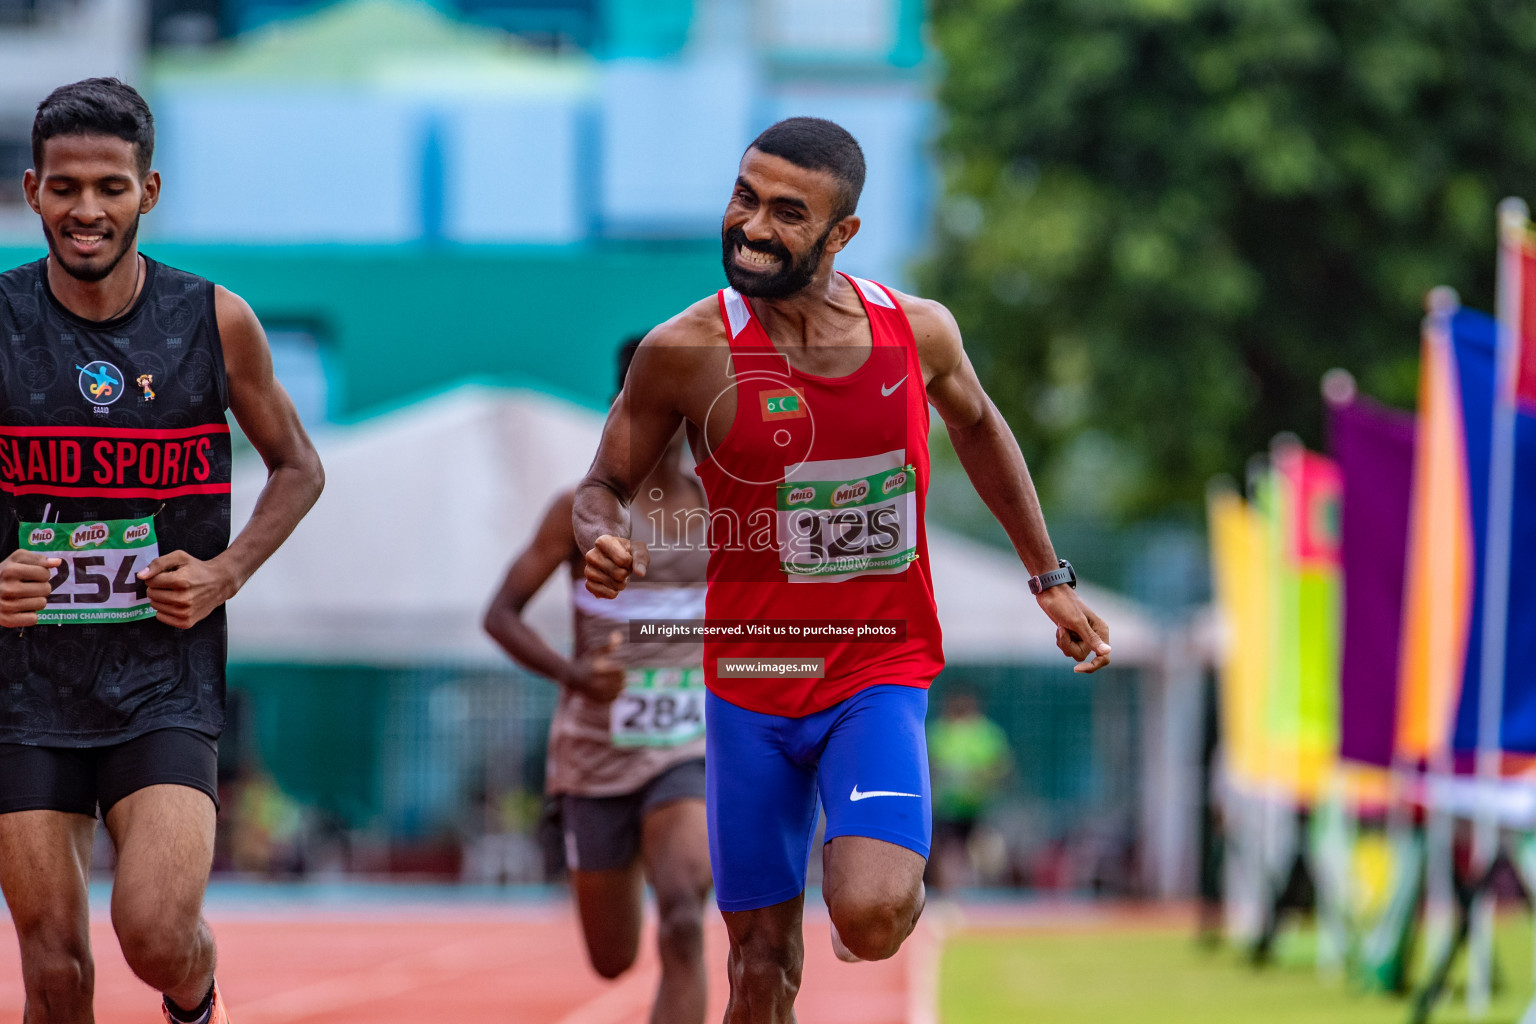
[(96, 579)]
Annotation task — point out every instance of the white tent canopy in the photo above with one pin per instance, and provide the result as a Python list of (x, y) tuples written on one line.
[(424, 507)]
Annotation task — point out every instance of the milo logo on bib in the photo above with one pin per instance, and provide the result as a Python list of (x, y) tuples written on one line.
[(88, 535), (96, 580), (831, 530), (850, 493)]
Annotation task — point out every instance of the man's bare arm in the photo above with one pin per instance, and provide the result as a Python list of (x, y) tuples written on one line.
[(640, 425), (596, 674), (987, 448), (183, 589), (992, 460)]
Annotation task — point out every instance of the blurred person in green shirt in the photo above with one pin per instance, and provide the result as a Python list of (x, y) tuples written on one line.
[(970, 761)]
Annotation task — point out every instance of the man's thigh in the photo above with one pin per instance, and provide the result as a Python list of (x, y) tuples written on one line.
[(45, 865), (47, 824), (164, 839), (162, 823), (761, 805), (874, 769), (674, 835)]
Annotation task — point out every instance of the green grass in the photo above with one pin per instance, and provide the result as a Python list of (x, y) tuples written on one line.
[(1155, 974)]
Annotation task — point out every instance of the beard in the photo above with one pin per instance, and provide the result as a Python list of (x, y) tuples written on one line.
[(793, 274), (92, 272)]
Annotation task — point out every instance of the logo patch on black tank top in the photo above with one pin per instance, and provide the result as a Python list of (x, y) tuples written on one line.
[(101, 383)]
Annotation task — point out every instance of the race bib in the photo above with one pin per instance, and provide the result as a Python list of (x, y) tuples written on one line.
[(96, 579), (840, 528), (660, 707)]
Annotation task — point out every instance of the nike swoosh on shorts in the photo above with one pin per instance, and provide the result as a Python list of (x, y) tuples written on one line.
[(857, 796), (887, 391)]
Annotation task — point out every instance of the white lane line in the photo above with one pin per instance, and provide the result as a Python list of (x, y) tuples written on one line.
[(923, 967)]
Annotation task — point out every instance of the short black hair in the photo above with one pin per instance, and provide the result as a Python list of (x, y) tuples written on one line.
[(95, 106), (819, 145), (626, 356)]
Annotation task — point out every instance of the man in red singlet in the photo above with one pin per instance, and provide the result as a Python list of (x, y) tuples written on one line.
[(805, 393)]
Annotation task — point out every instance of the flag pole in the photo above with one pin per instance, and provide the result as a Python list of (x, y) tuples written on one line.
[(1513, 215)]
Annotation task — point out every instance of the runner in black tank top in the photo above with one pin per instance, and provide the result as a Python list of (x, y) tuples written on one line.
[(67, 456), (116, 560)]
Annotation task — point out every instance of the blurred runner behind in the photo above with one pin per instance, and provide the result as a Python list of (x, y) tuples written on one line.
[(970, 761), (626, 744)]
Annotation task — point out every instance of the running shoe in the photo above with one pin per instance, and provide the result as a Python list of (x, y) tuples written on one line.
[(216, 1011), (844, 954)]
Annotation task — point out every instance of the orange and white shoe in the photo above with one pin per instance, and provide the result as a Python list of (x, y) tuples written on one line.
[(216, 1011), (843, 953)]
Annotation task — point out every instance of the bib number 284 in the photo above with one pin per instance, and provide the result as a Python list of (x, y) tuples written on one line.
[(96, 580), (659, 708)]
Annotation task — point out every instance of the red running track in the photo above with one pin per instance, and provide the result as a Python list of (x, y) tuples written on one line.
[(509, 965)]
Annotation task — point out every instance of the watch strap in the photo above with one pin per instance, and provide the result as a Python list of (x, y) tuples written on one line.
[(1063, 573)]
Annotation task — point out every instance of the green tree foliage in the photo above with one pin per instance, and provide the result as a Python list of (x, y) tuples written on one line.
[(1165, 219)]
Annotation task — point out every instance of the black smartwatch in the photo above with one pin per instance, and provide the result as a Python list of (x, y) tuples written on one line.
[(1063, 573)]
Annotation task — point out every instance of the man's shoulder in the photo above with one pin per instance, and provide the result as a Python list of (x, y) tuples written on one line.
[(21, 278), (170, 276), (697, 326), (920, 311)]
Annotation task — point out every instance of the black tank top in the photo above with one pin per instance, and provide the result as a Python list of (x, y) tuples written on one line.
[(81, 440)]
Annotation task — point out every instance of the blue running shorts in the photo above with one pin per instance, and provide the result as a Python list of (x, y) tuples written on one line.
[(868, 759)]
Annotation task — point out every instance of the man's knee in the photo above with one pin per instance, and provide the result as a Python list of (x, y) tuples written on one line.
[(680, 927), (58, 973), (159, 947), (610, 963), (873, 927), (765, 978), (767, 965)]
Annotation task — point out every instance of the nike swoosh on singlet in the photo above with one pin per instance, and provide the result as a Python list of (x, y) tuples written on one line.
[(886, 391), (857, 796)]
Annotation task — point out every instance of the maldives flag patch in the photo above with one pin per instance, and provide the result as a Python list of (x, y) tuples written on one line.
[(782, 404)]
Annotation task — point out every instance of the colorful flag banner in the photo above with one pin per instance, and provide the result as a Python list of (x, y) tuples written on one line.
[(1438, 588), (1303, 502), (1277, 570), (1525, 381), (1239, 561), (1374, 447), (1474, 338)]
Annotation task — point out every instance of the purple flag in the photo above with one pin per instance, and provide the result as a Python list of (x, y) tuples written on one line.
[(1374, 449)]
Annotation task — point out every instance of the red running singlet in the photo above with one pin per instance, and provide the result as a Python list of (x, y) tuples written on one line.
[(816, 497)]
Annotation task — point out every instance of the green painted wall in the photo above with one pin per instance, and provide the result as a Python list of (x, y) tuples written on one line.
[(403, 320), (318, 730)]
